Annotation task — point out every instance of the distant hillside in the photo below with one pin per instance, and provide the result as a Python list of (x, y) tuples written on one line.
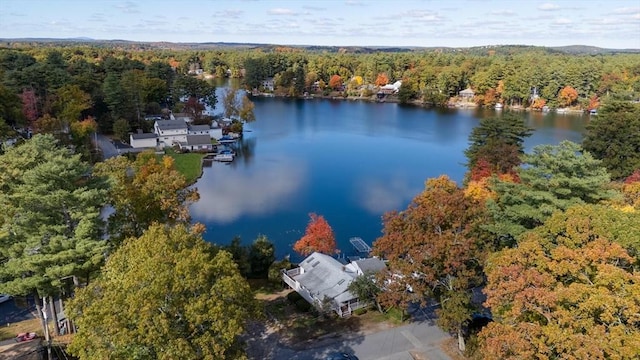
[(477, 50)]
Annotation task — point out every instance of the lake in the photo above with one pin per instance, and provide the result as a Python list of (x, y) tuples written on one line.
[(349, 161)]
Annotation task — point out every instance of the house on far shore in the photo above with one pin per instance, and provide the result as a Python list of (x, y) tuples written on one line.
[(466, 94), (390, 88), (321, 278)]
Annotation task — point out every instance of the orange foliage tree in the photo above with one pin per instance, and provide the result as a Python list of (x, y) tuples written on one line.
[(568, 290), (567, 96), (435, 248), (318, 237), (538, 104), (382, 79), (335, 82)]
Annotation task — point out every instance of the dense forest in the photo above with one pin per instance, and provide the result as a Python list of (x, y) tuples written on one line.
[(550, 237)]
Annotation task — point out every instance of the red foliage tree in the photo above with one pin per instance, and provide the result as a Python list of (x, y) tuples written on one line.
[(335, 82), (29, 105), (318, 237), (635, 177)]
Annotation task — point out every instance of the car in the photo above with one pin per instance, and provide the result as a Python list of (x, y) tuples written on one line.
[(341, 356), (4, 298)]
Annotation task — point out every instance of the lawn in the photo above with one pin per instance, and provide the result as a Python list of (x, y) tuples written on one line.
[(188, 164), (26, 326)]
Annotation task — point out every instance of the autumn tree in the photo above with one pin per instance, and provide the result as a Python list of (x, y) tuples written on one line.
[(29, 105), (335, 82), (237, 106), (498, 141), (552, 178), (568, 290), (435, 248), (164, 295), (613, 137), (318, 237), (567, 96), (144, 191), (382, 79)]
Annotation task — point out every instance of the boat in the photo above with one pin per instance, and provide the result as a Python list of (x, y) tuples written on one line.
[(223, 157), (593, 112), (226, 139), (498, 106)]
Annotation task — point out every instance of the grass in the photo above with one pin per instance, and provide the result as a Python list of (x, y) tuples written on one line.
[(188, 164), (26, 326)]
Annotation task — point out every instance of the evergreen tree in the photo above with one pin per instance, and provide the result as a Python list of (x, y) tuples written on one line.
[(614, 137), (499, 141), (50, 226), (552, 178)]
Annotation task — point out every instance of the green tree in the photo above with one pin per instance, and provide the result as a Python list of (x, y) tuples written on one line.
[(187, 86), (144, 191), (552, 178), (366, 289), (163, 296), (613, 137), (499, 141), (261, 256), (240, 255), (70, 102), (568, 290), (121, 129), (50, 226)]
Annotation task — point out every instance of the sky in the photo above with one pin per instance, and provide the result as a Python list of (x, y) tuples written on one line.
[(613, 24)]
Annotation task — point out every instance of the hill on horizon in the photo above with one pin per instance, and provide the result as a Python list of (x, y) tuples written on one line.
[(569, 49)]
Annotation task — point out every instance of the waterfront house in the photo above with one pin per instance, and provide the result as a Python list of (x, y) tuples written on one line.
[(197, 143), (321, 278), (466, 94), (171, 132), (391, 88), (199, 130)]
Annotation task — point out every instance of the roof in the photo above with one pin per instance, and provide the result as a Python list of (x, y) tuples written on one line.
[(171, 124), (325, 276), (199, 128), (198, 140), (466, 91), (370, 264), (143, 136)]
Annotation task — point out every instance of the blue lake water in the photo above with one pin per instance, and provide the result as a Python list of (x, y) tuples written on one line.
[(349, 161)]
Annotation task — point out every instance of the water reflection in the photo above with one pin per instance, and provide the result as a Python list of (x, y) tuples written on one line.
[(378, 196), (227, 193)]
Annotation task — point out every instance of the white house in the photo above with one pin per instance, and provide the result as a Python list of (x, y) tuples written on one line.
[(391, 88), (197, 143), (143, 140), (322, 278), (181, 116), (171, 132)]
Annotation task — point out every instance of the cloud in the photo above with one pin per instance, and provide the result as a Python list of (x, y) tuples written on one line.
[(281, 11), (227, 194), (502, 12), (229, 14), (128, 7), (627, 10), (354, 3), (548, 7), (562, 21), (313, 8)]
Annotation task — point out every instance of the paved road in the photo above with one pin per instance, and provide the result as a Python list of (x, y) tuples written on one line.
[(421, 338), (108, 149)]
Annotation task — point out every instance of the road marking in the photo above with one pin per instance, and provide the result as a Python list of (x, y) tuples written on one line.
[(414, 340)]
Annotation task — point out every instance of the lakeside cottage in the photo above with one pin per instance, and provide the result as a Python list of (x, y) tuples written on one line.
[(321, 278)]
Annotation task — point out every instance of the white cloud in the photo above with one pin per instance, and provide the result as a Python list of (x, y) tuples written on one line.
[(502, 12), (354, 3), (562, 21), (281, 11), (548, 7), (128, 7), (626, 10)]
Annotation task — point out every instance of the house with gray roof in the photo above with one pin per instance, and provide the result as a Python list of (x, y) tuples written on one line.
[(196, 143), (171, 132), (321, 278)]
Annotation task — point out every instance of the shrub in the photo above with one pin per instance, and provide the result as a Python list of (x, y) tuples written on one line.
[(302, 305), (293, 297), (360, 311)]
